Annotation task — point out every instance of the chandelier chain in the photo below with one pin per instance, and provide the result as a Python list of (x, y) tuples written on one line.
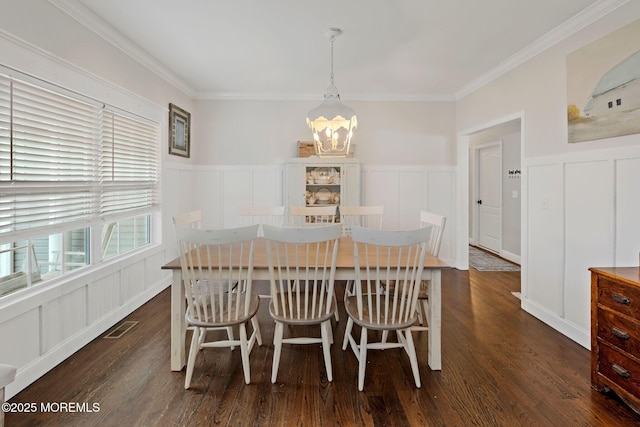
[(332, 39)]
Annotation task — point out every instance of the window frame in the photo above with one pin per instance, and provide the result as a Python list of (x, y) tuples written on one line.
[(110, 196)]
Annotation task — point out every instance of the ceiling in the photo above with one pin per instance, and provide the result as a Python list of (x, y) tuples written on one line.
[(277, 49)]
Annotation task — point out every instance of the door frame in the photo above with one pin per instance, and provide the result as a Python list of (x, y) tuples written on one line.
[(462, 199)]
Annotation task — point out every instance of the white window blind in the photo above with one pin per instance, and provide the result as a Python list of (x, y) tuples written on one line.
[(5, 124), (129, 164), (67, 161)]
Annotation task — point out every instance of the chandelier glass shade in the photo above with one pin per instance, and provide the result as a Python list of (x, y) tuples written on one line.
[(332, 122)]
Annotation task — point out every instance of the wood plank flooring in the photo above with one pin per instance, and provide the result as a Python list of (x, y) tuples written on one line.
[(501, 367)]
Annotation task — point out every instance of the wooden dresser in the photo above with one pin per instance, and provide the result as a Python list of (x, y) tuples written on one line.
[(615, 332)]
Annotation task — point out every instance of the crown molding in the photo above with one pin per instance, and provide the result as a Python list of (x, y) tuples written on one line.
[(574, 24), (87, 18)]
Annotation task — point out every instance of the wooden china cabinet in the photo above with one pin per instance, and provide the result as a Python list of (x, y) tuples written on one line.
[(314, 181)]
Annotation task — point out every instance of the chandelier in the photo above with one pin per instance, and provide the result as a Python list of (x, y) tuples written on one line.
[(332, 122)]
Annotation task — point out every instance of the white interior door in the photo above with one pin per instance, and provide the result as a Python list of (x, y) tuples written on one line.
[(489, 196)]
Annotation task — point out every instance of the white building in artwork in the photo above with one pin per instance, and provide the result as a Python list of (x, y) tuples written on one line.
[(618, 90)]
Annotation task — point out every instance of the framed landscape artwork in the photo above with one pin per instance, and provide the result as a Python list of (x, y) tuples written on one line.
[(603, 86), (179, 131)]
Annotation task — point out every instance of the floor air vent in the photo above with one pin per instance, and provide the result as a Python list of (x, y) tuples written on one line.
[(121, 329)]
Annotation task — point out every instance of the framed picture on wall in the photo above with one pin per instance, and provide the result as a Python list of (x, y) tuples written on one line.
[(603, 86), (179, 131)]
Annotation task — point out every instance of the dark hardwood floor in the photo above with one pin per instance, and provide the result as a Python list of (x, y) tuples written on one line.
[(501, 367)]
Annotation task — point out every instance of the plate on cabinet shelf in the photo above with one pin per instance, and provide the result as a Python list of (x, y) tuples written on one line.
[(324, 195)]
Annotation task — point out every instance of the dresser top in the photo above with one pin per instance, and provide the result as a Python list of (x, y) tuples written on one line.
[(628, 274)]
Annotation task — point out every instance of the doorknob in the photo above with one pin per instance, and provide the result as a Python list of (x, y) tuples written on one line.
[(479, 202)]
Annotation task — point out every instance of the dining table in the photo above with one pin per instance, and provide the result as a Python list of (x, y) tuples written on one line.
[(345, 271)]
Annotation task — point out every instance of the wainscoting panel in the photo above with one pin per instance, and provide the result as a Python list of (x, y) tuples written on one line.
[(14, 330), (545, 237), (55, 321), (583, 212), (104, 296), (207, 187), (441, 199), (627, 207), (250, 186), (405, 191), (379, 187), (63, 317), (588, 235), (132, 281)]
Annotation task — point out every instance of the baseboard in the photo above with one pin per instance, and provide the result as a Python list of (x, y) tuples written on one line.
[(510, 257), (34, 370), (570, 330)]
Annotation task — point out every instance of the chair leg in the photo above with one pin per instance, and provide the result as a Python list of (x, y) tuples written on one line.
[(193, 350), (347, 332), (411, 352), (336, 315), (325, 331), (277, 349), (244, 351), (363, 358)]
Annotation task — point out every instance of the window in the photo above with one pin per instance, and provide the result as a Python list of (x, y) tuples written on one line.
[(618, 101), (122, 236), (72, 170)]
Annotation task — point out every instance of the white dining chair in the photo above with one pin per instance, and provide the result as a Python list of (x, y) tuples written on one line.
[(436, 223), (302, 264), (364, 216), (191, 219), (396, 258), (212, 301), (312, 215), (273, 215)]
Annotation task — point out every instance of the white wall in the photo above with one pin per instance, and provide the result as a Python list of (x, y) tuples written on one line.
[(266, 132), (577, 198)]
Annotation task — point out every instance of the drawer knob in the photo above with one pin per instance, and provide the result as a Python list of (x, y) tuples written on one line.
[(620, 298), (619, 333), (620, 370)]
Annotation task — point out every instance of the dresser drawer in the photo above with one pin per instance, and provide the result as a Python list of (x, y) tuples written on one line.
[(619, 297), (620, 369), (619, 331)]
